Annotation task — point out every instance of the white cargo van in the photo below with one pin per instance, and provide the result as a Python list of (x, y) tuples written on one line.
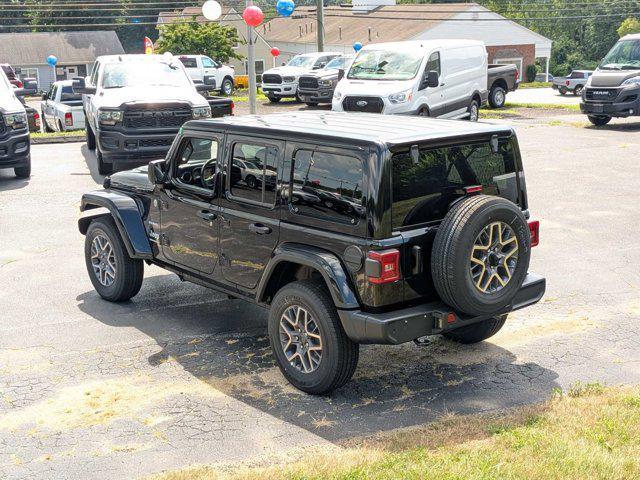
[(436, 78)]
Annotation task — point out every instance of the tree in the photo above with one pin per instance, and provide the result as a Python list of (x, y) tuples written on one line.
[(193, 38), (630, 25)]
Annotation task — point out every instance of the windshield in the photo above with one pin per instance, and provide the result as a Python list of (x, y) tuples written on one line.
[(339, 62), (143, 74), (4, 82), (625, 55), (301, 61), (385, 65)]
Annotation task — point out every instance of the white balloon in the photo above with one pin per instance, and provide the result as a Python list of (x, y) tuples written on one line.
[(211, 10)]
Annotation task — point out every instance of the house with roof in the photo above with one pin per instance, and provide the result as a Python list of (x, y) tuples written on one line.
[(230, 16), (376, 21), (27, 53)]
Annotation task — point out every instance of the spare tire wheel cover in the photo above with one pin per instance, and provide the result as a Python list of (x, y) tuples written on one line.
[(483, 251)]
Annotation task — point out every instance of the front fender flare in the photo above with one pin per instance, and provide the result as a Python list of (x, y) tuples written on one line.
[(125, 212), (325, 262)]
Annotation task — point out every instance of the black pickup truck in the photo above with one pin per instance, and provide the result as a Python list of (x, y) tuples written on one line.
[(376, 229), (501, 79)]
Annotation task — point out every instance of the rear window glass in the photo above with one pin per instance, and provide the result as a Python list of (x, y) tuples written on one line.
[(423, 191), (68, 96), (189, 62)]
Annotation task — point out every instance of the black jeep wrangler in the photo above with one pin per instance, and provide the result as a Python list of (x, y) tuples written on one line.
[(377, 229)]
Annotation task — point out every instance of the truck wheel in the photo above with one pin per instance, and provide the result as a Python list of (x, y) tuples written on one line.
[(474, 111), (250, 180), (115, 276), (274, 99), (497, 97), (311, 348), (477, 332), (562, 90), (481, 255), (23, 172), (578, 90), (598, 121), (90, 138), (227, 87), (104, 168)]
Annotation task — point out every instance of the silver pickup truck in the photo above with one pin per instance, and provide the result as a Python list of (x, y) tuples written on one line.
[(574, 83)]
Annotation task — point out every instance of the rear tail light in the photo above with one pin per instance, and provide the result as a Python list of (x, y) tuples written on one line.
[(473, 189), (68, 119), (233, 105), (517, 75), (36, 119), (534, 229), (383, 266), (19, 84)]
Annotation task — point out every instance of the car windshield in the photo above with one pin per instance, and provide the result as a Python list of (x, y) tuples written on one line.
[(385, 65), (301, 61), (143, 74), (625, 55), (338, 62), (4, 83)]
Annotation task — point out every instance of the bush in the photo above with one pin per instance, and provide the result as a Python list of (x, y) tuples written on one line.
[(530, 74)]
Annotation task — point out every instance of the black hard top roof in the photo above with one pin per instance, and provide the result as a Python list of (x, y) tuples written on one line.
[(357, 127)]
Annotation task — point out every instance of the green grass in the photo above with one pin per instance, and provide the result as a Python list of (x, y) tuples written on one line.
[(535, 85), (243, 96), (586, 432), (544, 106), (73, 133)]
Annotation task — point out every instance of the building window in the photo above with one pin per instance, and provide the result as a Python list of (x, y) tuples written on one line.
[(510, 61)]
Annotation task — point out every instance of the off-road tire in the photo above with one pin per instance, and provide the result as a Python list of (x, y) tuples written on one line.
[(90, 138), (477, 332), (598, 121), (130, 271), (23, 172), (453, 246), (339, 353), (104, 168), (497, 97), (274, 99)]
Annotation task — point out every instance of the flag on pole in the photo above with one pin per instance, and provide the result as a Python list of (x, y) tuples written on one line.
[(148, 46)]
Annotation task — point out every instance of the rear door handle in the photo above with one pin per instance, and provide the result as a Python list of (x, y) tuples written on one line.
[(259, 229), (207, 215)]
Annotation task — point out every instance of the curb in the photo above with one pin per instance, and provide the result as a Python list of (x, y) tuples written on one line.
[(66, 139)]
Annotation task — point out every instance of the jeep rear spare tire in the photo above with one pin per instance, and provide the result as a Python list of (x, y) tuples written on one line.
[(481, 254)]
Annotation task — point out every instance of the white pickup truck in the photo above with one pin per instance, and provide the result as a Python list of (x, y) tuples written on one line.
[(61, 108), (202, 69)]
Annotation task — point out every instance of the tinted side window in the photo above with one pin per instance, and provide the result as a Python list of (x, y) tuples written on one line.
[(196, 162), (208, 63), (189, 62), (327, 185), (257, 180)]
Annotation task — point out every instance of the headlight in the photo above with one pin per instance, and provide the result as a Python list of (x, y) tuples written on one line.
[(400, 97), (337, 95), (632, 81), (15, 120), (325, 83), (288, 79), (201, 112), (109, 117)]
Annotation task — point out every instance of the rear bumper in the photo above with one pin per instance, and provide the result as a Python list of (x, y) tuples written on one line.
[(402, 326), (14, 150)]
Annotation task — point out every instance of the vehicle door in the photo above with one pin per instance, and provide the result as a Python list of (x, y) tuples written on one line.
[(86, 99), (433, 96), (189, 228), (210, 70), (48, 109), (250, 218)]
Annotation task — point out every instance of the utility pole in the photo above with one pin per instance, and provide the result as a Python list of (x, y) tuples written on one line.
[(320, 26), (251, 64)]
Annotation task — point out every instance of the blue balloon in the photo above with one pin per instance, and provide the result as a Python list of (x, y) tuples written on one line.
[(52, 60), (285, 7), (357, 46)]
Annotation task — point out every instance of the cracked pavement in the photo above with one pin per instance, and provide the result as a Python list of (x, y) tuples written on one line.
[(182, 375)]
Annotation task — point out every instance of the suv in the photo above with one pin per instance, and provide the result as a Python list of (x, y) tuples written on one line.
[(14, 130), (380, 230), (134, 106)]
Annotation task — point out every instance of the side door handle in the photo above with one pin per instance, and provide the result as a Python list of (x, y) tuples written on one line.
[(207, 215), (259, 229)]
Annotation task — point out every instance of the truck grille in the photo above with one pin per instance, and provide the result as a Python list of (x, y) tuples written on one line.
[(308, 82), (595, 94), (271, 78), (363, 104), (169, 117), (160, 142)]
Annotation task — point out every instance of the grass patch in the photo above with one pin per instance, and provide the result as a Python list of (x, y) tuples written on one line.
[(587, 431), (544, 106), (72, 133), (498, 113), (535, 85), (243, 96)]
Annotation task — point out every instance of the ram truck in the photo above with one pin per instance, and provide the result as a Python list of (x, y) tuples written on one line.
[(380, 229)]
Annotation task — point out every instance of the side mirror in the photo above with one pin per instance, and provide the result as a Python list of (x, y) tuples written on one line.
[(155, 172), (430, 80), (80, 86), (45, 96), (340, 74)]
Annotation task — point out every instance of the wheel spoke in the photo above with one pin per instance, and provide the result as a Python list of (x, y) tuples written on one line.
[(494, 257), (300, 339)]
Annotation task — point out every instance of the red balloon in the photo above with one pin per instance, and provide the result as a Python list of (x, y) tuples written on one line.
[(275, 51), (252, 16)]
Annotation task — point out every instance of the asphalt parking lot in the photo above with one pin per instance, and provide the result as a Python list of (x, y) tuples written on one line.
[(182, 375)]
